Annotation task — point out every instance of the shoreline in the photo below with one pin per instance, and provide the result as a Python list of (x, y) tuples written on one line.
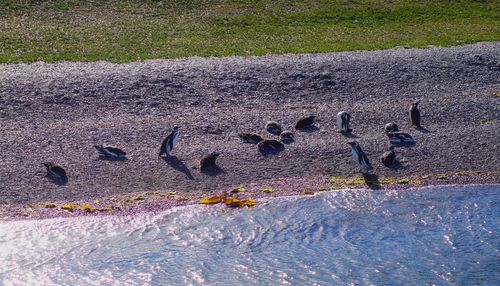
[(154, 202), (58, 112)]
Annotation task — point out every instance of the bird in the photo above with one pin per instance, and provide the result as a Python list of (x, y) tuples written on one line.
[(270, 145), (415, 114), (273, 128), (391, 127), (169, 143), (287, 137), (388, 157), (208, 161), (55, 172), (360, 157), (305, 122), (400, 138), (110, 152), (251, 138), (343, 119)]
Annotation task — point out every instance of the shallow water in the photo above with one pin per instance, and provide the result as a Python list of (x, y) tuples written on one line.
[(439, 235)]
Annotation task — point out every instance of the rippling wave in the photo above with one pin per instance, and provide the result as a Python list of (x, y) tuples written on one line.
[(439, 235)]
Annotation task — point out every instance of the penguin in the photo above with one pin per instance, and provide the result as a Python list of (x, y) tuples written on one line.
[(305, 122), (415, 114), (343, 119), (168, 143), (287, 137), (388, 157), (391, 127), (208, 161), (270, 145), (251, 138), (400, 138), (110, 152), (55, 172), (273, 128), (360, 157)]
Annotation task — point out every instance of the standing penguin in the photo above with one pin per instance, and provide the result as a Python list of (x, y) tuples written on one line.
[(360, 157), (343, 119), (388, 157), (208, 161), (168, 143), (415, 114)]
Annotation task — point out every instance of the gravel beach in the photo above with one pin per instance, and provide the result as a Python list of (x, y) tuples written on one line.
[(58, 112)]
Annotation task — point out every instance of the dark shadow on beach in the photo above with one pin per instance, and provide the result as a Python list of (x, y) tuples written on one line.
[(112, 159), (177, 164), (349, 134), (212, 171), (424, 130), (58, 181), (396, 165), (309, 129), (400, 145), (372, 181)]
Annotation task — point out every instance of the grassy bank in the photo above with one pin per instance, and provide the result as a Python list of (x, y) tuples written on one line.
[(122, 31)]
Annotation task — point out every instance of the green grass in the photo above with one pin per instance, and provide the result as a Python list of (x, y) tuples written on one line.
[(123, 31)]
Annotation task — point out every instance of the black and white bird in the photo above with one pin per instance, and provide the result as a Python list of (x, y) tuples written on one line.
[(273, 128), (251, 138), (399, 138), (287, 137), (270, 146), (208, 161), (360, 157), (415, 114), (169, 143), (305, 122), (391, 127), (343, 119), (110, 152), (388, 157), (55, 172)]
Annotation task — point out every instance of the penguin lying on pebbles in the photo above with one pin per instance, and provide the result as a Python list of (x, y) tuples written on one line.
[(287, 137), (169, 143), (55, 172), (388, 157), (305, 122), (391, 127), (274, 128), (110, 152), (343, 119), (270, 146), (251, 138), (360, 157), (208, 161), (400, 138), (415, 114)]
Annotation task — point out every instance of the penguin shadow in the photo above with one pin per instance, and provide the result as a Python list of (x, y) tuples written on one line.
[(396, 165), (401, 145), (309, 129), (178, 165), (112, 159), (212, 171), (372, 181), (424, 130), (269, 153), (349, 135), (57, 181)]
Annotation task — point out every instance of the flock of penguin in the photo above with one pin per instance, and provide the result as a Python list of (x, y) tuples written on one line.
[(266, 146)]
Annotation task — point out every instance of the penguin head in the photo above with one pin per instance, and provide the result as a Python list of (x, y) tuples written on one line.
[(98, 147), (48, 164), (353, 143), (415, 104), (392, 147), (215, 154), (176, 128)]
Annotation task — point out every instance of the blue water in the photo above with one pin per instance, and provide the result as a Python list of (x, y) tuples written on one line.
[(439, 235)]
